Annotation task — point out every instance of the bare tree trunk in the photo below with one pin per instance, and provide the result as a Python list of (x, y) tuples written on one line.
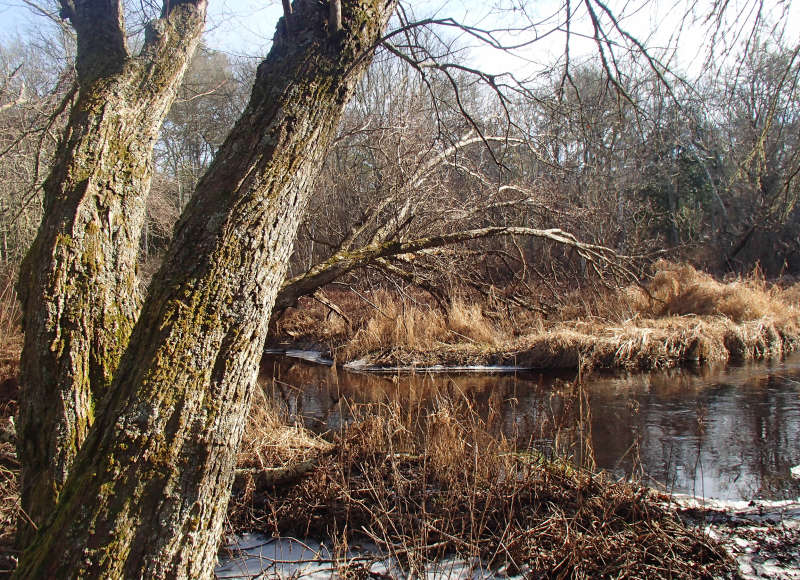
[(148, 492), (78, 282)]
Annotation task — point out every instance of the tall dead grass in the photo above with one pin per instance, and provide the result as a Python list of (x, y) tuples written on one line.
[(682, 316), (424, 487), (272, 451), (680, 290), (406, 325), (9, 504), (10, 318), (10, 348), (270, 441), (642, 345)]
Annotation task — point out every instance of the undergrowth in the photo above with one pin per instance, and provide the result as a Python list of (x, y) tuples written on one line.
[(10, 347), (680, 316), (425, 487)]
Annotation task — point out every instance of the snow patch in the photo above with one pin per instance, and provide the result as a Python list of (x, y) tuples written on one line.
[(312, 356), (763, 536), (362, 365), (253, 556)]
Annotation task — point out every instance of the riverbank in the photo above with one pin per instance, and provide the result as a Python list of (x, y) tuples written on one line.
[(680, 317), (399, 492), (421, 492), (440, 487), (762, 537)]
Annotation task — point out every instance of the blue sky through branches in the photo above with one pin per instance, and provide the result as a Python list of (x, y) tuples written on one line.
[(245, 28)]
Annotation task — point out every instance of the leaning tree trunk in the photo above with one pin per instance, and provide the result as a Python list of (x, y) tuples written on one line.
[(148, 492), (78, 282), (345, 261)]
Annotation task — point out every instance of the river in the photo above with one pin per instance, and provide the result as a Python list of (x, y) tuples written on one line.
[(727, 433)]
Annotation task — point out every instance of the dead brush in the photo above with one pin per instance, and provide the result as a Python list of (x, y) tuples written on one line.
[(272, 451), (9, 507), (604, 304), (679, 289), (397, 323), (312, 321), (269, 441), (426, 487), (10, 317), (468, 321), (10, 348), (682, 317)]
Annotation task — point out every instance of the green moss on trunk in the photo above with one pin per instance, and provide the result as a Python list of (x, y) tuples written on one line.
[(147, 494), (77, 284)]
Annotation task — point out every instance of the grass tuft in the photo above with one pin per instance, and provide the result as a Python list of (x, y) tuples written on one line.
[(679, 290)]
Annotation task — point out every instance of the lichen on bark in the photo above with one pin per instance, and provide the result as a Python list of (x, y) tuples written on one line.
[(148, 491), (77, 284)]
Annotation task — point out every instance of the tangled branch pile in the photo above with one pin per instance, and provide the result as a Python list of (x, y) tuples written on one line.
[(439, 485)]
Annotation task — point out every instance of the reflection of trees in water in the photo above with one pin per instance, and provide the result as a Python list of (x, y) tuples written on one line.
[(731, 434)]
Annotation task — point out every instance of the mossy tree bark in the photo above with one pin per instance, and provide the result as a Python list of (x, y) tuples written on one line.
[(148, 491), (78, 284)]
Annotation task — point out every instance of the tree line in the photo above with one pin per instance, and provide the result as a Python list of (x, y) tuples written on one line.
[(703, 171)]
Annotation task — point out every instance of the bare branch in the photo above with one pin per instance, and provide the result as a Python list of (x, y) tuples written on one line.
[(342, 263)]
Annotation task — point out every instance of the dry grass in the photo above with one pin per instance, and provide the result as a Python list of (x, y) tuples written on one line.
[(641, 345), (10, 348), (425, 487), (399, 323), (415, 326), (682, 316), (269, 441), (9, 508), (468, 321), (679, 289), (10, 317), (656, 344), (272, 451)]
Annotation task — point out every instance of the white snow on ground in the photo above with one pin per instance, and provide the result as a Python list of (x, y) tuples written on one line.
[(363, 366), (312, 356), (254, 556), (763, 536)]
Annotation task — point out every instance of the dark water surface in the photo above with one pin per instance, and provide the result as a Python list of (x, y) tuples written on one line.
[(726, 433)]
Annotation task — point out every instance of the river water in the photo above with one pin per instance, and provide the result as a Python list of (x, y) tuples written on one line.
[(726, 433)]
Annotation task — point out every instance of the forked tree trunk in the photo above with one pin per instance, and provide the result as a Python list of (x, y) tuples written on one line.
[(148, 492), (78, 282)]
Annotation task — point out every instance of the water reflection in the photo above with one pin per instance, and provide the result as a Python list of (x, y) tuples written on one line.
[(724, 433)]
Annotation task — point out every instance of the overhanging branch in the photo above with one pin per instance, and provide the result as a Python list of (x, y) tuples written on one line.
[(343, 262)]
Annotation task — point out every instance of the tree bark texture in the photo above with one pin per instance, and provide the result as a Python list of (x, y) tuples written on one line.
[(149, 489), (78, 282)]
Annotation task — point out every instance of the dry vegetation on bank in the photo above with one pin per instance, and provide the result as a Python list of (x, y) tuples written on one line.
[(427, 487), (680, 316), (10, 347), (421, 487), (435, 485)]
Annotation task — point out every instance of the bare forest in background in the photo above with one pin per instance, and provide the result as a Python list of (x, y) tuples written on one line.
[(703, 171)]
